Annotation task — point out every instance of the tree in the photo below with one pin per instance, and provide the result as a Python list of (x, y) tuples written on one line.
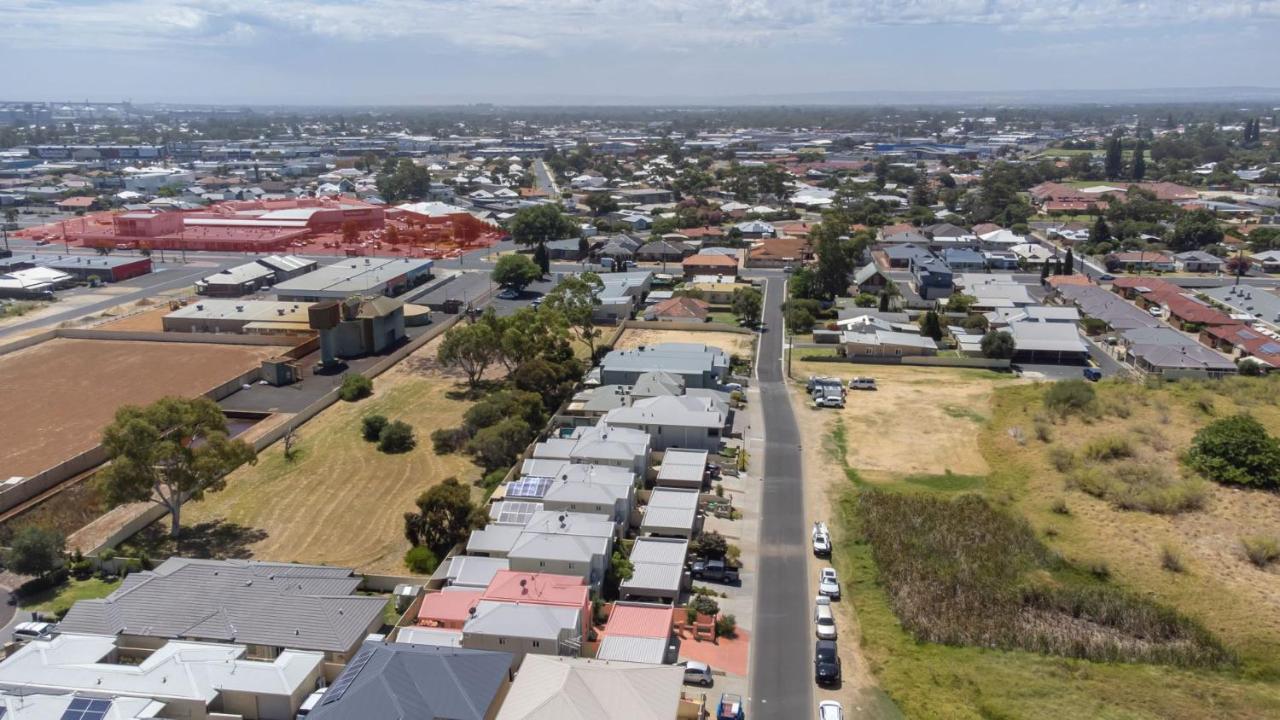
[(1139, 162), (403, 180), (472, 347), (746, 305), (515, 271), (831, 278), (421, 560), (620, 569), (1100, 232), (1237, 265), (1069, 263), (798, 318), (371, 427), (998, 344), (584, 247), (575, 298), (542, 259), (396, 437), (931, 326), (444, 517), (1115, 159), (355, 387), (350, 232), (1195, 230), (711, 545), (541, 223), (884, 302), (498, 446), (1236, 450), (601, 203), (1069, 396), (35, 551), (960, 303), (529, 333), (171, 451)]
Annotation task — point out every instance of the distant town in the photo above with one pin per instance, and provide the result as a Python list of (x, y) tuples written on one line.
[(640, 412)]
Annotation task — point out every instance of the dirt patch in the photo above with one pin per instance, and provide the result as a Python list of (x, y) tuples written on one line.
[(139, 318), (920, 420), (740, 344), (59, 394)]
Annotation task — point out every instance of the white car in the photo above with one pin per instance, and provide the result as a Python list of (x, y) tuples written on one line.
[(830, 710), (32, 630), (829, 583), (821, 539), (862, 383), (831, 401), (824, 621)]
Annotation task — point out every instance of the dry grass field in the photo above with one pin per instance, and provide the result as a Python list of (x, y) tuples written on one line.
[(340, 501), (60, 393)]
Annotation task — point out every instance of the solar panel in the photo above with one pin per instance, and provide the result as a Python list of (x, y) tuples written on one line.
[(348, 676), (529, 486), (86, 709), (516, 513)]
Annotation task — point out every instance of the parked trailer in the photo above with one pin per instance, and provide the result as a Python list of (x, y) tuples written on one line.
[(730, 707)]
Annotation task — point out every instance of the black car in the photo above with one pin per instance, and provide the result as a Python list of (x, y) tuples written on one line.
[(826, 662)]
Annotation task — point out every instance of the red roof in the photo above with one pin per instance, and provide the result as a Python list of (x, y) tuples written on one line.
[(1249, 340), (538, 588), (76, 202), (650, 621), (448, 607), (684, 307), (709, 261), (702, 232), (796, 248)]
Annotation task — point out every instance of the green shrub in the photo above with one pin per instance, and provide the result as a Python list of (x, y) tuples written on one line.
[(371, 427), (1261, 550), (421, 560), (1139, 486), (1236, 450), (355, 387), (1062, 459), (1108, 448), (1100, 570), (447, 440), (1070, 397), (705, 605), (495, 478), (1171, 559), (396, 437), (1044, 431), (1059, 506), (726, 626)]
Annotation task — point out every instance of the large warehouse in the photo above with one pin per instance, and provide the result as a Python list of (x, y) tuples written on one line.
[(356, 276)]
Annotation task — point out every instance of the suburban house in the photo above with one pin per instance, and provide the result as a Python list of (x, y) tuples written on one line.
[(756, 229), (961, 259), (870, 279), (1135, 261), (658, 570), (1242, 341), (870, 336), (664, 251), (389, 680), (779, 252), (639, 632), (717, 292), (1031, 255), (684, 421), (671, 512), (682, 468), (595, 402), (1051, 342), (268, 607), (679, 309), (931, 278), (621, 294), (1268, 261), (902, 256), (576, 544), (1000, 260), (530, 613), (700, 366), (560, 688), (1095, 302), (944, 234), (709, 264), (1249, 303), (173, 679), (568, 249), (599, 444), (1198, 261)]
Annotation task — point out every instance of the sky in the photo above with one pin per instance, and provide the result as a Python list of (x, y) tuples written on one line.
[(426, 52)]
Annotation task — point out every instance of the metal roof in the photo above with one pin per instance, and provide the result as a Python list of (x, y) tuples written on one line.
[(632, 649), (559, 688)]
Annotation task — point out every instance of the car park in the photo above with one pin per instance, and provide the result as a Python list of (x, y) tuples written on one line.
[(697, 673), (826, 662), (830, 710), (824, 621), (829, 583)]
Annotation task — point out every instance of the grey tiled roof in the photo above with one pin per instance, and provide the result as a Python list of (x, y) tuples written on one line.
[(303, 607)]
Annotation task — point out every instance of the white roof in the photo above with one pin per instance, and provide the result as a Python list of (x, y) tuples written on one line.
[(561, 688), (632, 649), (670, 508), (1047, 337), (42, 706), (441, 637), (181, 670)]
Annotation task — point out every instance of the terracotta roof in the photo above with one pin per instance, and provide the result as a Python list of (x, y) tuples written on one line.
[(709, 261), (780, 248), (76, 202), (682, 307), (540, 588), (452, 606), (640, 621)]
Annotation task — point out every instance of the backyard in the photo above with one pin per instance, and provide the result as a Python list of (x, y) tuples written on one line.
[(973, 432), (340, 501), (741, 345)]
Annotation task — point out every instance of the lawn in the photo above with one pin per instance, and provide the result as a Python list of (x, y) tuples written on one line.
[(340, 501), (1234, 601), (58, 600)]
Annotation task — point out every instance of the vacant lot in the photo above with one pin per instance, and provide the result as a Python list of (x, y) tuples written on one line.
[(1232, 599), (740, 344), (59, 394), (340, 501)]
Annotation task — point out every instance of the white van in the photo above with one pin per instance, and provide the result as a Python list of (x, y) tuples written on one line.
[(862, 383), (34, 630)]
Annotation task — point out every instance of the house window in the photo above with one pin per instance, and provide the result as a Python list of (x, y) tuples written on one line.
[(537, 643), (502, 641), (712, 432), (570, 566)]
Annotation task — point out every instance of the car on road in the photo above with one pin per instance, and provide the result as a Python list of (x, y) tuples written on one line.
[(829, 583), (824, 621), (788, 268), (509, 294), (826, 662), (1092, 374), (536, 301), (1106, 277), (696, 673), (830, 710), (862, 383), (1156, 311)]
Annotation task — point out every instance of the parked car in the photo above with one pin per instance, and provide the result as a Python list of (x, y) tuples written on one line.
[(731, 387), (829, 583), (697, 673), (730, 707), (509, 294), (862, 383), (830, 710), (821, 540), (1106, 277), (32, 630), (1092, 374), (788, 268), (309, 704), (826, 662), (716, 570), (831, 401), (824, 621), (536, 301)]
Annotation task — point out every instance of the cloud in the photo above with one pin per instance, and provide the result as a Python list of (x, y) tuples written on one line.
[(561, 26)]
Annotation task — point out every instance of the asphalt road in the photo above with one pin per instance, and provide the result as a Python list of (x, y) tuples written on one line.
[(782, 663)]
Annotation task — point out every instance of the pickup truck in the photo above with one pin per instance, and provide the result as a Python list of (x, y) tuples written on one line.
[(715, 571)]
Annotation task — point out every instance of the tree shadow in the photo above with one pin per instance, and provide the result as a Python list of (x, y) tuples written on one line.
[(213, 540)]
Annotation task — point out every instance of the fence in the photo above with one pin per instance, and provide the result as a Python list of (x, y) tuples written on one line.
[(913, 360), (171, 337)]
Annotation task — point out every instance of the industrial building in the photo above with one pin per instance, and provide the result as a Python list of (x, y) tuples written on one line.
[(260, 317), (253, 276), (106, 268), (356, 276), (357, 326)]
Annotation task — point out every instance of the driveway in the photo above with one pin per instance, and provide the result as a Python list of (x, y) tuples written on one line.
[(782, 675)]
